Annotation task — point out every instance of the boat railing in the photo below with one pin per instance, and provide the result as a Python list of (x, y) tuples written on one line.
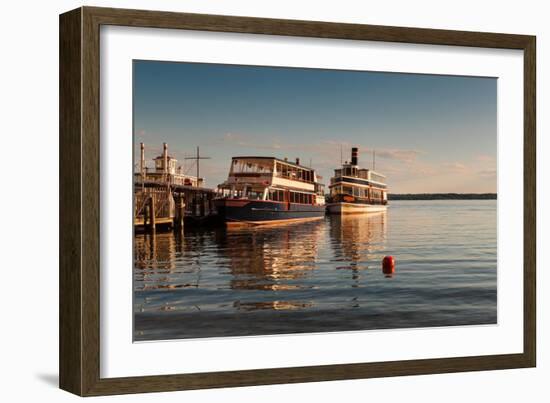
[(291, 177), (166, 178)]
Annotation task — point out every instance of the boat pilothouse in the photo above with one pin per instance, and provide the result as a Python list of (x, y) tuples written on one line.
[(357, 190), (268, 190)]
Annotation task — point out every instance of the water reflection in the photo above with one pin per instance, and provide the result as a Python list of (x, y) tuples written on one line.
[(275, 262), (358, 239), (271, 259), (320, 275), (156, 262)]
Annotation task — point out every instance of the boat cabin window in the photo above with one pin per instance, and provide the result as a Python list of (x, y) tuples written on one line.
[(347, 190), (276, 195), (319, 189), (293, 172), (301, 198), (251, 166), (377, 178), (376, 194), (253, 195)]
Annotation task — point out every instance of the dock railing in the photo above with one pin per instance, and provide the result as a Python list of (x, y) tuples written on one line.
[(158, 201)]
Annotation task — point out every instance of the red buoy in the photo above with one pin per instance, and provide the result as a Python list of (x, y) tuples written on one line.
[(388, 265)]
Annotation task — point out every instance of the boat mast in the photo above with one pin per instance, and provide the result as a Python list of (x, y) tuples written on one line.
[(197, 159)]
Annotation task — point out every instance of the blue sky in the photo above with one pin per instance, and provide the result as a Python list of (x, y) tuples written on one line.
[(431, 133)]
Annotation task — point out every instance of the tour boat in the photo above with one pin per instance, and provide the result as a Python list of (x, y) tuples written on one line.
[(268, 190), (357, 190)]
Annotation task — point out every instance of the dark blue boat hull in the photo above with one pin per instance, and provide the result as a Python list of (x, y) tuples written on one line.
[(266, 212)]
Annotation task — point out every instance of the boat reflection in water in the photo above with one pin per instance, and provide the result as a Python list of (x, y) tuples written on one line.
[(359, 241), (276, 260), (222, 272), (315, 276)]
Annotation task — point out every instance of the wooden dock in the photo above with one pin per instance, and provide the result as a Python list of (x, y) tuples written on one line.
[(167, 197), (158, 205)]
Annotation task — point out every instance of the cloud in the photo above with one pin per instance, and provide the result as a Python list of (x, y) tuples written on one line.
[(323, 148), (398, 154), (242, 140), (488, 173), (456, 167), (484, 158), (395, 163)]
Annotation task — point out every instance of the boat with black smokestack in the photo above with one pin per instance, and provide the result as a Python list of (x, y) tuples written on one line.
[(357, 190), (268, 190)]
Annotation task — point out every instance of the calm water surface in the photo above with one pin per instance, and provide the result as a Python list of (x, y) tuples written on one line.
[(321, 276)]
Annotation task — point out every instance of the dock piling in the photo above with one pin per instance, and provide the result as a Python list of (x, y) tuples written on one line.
[(152, 223), (202, 206), (180, 212)]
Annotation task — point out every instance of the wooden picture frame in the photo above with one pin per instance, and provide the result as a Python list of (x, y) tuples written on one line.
[(79, 201)]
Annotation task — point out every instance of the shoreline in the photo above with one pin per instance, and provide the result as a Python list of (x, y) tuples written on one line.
[(442, 196)]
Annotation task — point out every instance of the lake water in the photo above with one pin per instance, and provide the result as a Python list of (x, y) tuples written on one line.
[(321, 276)]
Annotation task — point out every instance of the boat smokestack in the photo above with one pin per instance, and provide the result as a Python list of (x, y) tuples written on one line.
[(165, 157), (142, 160), (297, 161), (354, 153)]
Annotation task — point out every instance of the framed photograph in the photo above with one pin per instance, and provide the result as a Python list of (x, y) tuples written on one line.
[(248, 201)]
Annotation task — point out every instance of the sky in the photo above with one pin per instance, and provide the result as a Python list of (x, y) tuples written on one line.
[(430, 133)]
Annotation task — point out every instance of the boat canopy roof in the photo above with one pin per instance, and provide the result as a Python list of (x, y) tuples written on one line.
[(259, 159)]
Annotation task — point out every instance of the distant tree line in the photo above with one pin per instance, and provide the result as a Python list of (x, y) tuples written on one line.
[(443, 196)]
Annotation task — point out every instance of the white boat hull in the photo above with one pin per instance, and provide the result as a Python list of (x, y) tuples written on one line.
[(354, 208)]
